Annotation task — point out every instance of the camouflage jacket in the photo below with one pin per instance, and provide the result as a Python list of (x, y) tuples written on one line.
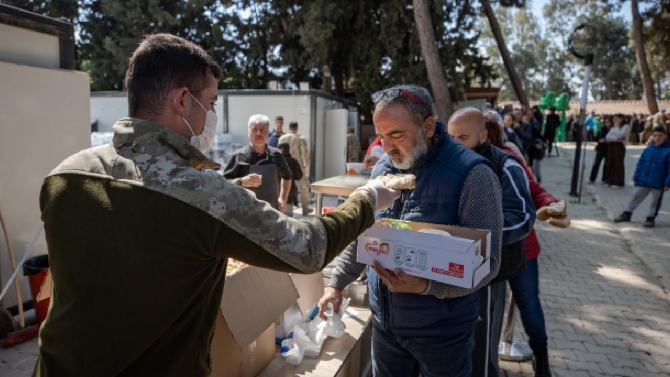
[(139, 232), (299, 149), (353, 148)]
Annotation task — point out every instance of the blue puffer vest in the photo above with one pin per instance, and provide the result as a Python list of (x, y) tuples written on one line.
[(439, 179)]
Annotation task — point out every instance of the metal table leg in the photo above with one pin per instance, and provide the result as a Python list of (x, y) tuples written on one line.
[(319, 204), (508, 349)]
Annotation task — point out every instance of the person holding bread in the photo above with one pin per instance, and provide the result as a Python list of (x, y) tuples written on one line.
[(421, 326), (526, 286)]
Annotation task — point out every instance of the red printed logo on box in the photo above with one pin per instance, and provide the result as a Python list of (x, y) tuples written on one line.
[(456, 270)]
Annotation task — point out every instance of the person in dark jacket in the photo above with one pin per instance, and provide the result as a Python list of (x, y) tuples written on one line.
[(468, 127), (652, 176), (553, 122), (424, 326), (524, 130), (508, 122), (537, 114), (601, 151), (296, 172), (526, 286)]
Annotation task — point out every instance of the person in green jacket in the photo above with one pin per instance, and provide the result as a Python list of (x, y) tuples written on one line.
[(140, 230)]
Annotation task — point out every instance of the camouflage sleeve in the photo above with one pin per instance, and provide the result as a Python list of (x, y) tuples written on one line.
[(256, 234), (480, 207), (305, 151)]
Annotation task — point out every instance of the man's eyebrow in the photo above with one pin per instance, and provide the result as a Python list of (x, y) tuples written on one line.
[(392, 132)]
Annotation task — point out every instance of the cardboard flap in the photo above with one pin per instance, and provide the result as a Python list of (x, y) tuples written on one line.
[(456, 231), (310, 289), (45, 289), (253, 298)]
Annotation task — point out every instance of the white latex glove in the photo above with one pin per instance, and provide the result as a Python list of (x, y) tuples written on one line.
[(382, 196)]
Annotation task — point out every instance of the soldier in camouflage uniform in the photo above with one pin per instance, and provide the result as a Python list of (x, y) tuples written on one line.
[(139, 231), (299, 151), (353, 147)]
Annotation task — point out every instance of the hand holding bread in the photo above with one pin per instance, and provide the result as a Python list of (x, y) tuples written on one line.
[(555, 213)]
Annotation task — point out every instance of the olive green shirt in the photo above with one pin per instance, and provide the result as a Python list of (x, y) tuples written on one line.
[(139, 232)]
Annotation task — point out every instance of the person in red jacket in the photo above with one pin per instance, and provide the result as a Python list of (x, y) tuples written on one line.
[(374, 153), (526, 286)]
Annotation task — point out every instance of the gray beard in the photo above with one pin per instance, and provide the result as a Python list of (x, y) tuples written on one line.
[(420, 149)]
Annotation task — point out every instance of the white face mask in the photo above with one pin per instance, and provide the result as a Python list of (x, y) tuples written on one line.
[(205, 139)]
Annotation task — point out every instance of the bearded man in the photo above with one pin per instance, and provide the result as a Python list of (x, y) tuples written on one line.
[(419, 325)]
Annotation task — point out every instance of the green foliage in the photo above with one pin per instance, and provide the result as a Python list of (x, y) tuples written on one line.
[(66, 10), (542, 60), (541, 65), (367, 45)]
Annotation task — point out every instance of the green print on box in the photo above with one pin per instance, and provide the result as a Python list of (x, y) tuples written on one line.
[(411, 257)]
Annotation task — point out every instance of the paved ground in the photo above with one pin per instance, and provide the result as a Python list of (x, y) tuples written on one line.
[(602, 286), (607, 313)]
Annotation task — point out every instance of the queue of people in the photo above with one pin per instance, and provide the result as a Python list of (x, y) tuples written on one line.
[(152, 208)]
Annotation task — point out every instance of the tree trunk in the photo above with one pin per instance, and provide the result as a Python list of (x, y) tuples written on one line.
[(504, 53), (645, 73), (438, 82)]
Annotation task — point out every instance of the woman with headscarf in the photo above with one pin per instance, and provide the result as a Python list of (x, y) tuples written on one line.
[(617, 138)]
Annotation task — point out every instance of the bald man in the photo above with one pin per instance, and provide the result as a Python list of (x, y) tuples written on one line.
[(468, 127)]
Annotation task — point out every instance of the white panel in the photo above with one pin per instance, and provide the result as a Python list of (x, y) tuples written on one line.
[(44, 118), (107, 110), (320, 140), (354, 122), (336, 145), (291, 107), (22, 46)]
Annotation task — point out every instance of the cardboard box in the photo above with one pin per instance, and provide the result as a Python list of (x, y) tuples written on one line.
[(455, 260), (228, 360), (244, 340), (310, 289)]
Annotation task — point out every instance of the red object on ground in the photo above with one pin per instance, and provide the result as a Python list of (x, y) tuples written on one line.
[(42, 307), (20, 336), (325, 210)]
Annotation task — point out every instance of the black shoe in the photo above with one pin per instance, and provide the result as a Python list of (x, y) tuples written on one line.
[(624, 217), (541, 361), (649, 223)]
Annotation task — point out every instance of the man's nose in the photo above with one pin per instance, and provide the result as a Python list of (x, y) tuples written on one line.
[(388, 145)]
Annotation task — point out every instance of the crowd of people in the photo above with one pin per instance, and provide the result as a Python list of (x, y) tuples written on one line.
[(155, 213)]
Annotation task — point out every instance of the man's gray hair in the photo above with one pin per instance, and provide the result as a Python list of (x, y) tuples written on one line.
[(258, 119), (418, 112)]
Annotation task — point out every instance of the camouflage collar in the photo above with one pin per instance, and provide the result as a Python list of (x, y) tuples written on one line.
[(139, 131)]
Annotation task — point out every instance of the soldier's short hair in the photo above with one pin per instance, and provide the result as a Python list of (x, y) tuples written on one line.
[(293, 125), (258, 119), (163, 62)]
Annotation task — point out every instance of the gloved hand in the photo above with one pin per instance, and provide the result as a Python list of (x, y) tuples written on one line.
[(382, 197)]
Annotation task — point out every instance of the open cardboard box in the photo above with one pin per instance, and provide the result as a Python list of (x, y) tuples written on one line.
[(461, 259), (244, 339)]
